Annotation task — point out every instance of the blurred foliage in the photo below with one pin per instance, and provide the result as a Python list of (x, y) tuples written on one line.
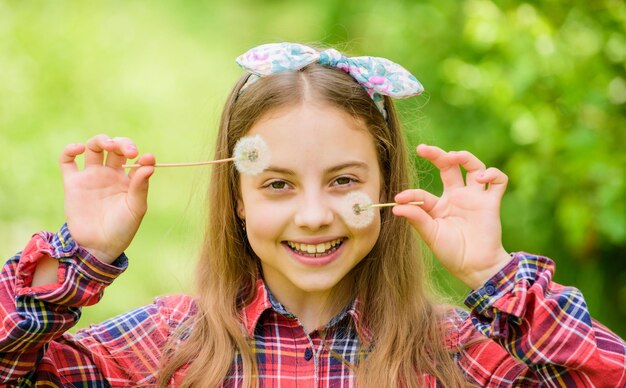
[(537, 89)]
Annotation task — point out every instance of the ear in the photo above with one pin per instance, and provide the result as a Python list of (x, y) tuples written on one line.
[(241, 211)]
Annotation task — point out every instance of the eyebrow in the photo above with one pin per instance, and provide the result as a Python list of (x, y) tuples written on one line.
[(279, 170), (339, 167), (351, 164)]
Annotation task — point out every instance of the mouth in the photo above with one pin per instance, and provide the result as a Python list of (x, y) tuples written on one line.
[(315, 250)]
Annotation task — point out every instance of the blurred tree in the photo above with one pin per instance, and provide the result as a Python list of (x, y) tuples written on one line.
[(539, 90)]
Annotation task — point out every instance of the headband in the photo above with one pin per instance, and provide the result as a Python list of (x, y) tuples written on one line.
[(378, 76)]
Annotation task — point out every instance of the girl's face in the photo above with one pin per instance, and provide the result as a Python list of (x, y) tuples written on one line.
[(318, 155)]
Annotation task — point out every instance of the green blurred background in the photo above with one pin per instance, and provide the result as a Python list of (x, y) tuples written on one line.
[(537, 89)]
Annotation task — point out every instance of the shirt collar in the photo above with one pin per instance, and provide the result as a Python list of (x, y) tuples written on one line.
[(264, 300)]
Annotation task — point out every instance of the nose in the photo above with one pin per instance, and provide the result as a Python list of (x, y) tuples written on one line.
[(313, 212)]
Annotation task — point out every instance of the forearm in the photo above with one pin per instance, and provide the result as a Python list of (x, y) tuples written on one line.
[(45, 272), (35, 314), (545, 325), (29, 325)]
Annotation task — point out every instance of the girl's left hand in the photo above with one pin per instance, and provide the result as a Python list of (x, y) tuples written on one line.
[(462, 227)]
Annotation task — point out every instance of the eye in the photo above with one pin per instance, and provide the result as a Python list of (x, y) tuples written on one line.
[(276, 185), (344, 181)]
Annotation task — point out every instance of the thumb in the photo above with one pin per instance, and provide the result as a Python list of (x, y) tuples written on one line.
[(139, 183), (419, 219)]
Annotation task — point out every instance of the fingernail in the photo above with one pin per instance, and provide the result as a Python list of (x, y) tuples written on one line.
[(110, 141), (132, 147)]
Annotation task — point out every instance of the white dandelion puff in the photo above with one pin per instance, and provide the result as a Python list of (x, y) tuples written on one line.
[(355, 211), (251, 155)]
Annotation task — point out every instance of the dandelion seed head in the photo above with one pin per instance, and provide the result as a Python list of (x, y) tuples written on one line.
[(353, 211), (251, 154)]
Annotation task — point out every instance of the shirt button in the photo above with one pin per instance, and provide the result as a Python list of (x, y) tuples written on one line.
[(308, 354), (490, 289)]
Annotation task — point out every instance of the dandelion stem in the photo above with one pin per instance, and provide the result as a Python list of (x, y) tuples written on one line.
[(390, 204), (181, 164)]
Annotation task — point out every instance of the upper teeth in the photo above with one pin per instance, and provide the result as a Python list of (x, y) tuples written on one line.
[(314, 248)]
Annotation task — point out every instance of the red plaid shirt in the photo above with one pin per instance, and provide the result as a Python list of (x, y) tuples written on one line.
[(536, 332)]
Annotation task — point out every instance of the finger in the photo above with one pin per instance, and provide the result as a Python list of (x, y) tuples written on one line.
[(472, 165), (449, 170), (419, 219), (146, 160), (496, 179), (95, 150), (414, 195), (139, 183), (67, 160), (119, 150)]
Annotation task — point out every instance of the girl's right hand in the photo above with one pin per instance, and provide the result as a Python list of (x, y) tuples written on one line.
[(104, 205)]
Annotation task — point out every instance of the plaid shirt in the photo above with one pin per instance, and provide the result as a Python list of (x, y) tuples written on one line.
[(523, 330)]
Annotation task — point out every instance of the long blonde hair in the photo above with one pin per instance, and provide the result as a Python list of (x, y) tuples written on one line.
[(391, 282)]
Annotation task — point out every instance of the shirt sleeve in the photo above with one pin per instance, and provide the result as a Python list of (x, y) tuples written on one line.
[(545, 327), (34, 318)]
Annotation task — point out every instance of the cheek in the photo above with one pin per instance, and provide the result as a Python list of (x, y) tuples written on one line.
[(372, 231), (266, 220)]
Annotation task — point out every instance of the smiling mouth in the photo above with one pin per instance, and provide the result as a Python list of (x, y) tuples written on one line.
[(315, 250)]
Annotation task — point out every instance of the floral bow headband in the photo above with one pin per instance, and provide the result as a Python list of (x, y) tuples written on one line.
[(378, 76)]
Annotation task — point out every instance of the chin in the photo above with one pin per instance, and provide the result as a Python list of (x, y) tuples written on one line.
[(317, 285)]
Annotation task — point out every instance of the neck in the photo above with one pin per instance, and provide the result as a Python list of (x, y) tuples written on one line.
[(314, 309)]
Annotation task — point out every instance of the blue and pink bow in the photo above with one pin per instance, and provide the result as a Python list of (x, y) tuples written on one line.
[(378, 76)]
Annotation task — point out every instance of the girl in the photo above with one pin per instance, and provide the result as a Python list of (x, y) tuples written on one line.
[(289, 292)]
